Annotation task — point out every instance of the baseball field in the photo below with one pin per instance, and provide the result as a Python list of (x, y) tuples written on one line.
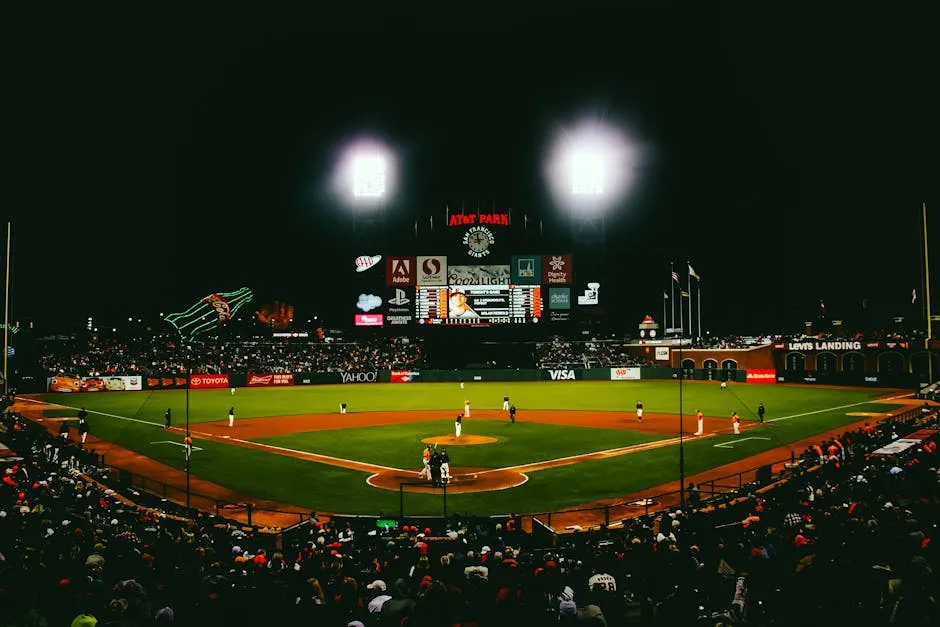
[(573, 442)]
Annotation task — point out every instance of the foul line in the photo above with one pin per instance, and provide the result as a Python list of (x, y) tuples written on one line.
[(821, 411), (92, 411)]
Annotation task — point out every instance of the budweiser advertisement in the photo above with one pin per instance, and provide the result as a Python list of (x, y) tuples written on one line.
[(258, 380), (761, 376), (403, 376), (206, 381)]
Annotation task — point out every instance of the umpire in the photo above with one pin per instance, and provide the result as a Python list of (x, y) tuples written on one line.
[(436, 468), (512, 413)]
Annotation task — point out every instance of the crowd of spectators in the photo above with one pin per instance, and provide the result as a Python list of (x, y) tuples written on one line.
[(562, 353), (851, 540), (164, 355)]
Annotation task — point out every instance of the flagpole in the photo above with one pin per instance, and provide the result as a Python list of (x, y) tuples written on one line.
[(6, 315), (926, 295), (688, 268), (672, 288), (698, 286), (665, 298)]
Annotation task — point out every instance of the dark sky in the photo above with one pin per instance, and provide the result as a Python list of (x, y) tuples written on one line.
[(149, 158)]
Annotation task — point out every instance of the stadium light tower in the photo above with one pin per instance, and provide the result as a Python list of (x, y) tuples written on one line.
[(365, 181), (590, 167)]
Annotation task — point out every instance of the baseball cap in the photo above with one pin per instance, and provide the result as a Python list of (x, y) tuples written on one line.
[(84, 620)]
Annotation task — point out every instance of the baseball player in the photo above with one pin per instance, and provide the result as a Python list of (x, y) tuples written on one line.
[(466, 408), (426, 461), (505, 403), (82, 414), (458, 424), (188, 445), (512, 413), (64, 431), (342, 408), (701, 422), (233, 391), (461, 384), (167, 418), (760, 412), (231, 417), (83, 429), (736, 422), (639, 411), (445, 466), (724, 384)]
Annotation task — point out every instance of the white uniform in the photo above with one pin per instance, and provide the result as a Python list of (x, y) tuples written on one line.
[(603, 581), (466, 409), (701, 426), (736, 423), (461, 385), (231, 419), (233, 391), (445, 472), (457, 427), (505, 404), (342, 408), (724, 384)]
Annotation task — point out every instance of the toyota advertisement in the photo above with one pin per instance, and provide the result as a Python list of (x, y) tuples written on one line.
[(208, 381), (263, 380)]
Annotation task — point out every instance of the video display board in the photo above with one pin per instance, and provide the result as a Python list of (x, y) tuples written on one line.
[(478, 305)]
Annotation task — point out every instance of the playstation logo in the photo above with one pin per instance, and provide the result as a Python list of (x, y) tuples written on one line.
[(399, 298)]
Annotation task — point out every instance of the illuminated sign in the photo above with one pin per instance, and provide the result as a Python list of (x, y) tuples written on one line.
[(369, 320), (590, 296), (368, 302), (496, 219), (478, 240)]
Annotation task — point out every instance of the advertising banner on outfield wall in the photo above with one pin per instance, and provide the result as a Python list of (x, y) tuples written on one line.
[(403, 376), (562, 374), (625, 374), (166, 383), (207, 381), (761, 376), (258, 380), (70, 383), (359, 377)]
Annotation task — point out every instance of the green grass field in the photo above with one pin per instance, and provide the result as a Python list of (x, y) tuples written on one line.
[(133, 420)]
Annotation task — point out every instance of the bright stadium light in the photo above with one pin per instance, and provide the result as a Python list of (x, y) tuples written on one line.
[(365, 173), (591, 166)]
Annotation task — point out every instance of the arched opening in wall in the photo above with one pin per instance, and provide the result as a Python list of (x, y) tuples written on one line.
[(853, 362), (920, 365), (711, 369), (890, 363), (688, 368), (729, 368), (826, 363), (796, 362)]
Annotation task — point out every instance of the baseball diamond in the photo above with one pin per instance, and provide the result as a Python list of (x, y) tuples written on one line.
[(291, 446)]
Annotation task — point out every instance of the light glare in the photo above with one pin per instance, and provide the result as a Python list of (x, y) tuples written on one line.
[(369, 176)]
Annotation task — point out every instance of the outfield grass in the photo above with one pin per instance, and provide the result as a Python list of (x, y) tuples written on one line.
[(794, 413)]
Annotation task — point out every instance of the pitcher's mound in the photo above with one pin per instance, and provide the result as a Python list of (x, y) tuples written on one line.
[(463, 440)]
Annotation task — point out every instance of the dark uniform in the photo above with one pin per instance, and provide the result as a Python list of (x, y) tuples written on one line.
[(445, 466), (83, 429), (64, 431), (82, 415), (512, 413), (435, 469), (760, 412), (167, 418)]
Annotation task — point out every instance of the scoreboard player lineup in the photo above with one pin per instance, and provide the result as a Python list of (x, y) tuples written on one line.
[(479, 304)]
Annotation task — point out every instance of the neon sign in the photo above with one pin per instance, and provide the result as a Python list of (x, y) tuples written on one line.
[(471, 219)]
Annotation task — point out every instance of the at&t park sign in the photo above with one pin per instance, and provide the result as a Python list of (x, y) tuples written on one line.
[(473, 219)]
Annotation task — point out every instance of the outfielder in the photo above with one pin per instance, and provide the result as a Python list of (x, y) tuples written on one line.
[(231, 417), (724, 384), (445, 466), (233, 391), (736, 423), (505, 403), (458, 424), (639, 411), (466, 408), (342, 408), (701, 422)]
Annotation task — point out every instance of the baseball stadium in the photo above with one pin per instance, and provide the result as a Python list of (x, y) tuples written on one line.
[(297, 337)]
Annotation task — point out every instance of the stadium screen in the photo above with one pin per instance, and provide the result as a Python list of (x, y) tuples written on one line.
[(478, 305)]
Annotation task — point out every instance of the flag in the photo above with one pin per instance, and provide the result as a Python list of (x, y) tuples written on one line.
[(665, 295), (914, 296), (692, 273), (675, 276), (684, 293)]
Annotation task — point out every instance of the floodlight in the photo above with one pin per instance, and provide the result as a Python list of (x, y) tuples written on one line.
[(591, 166), (365, 173)]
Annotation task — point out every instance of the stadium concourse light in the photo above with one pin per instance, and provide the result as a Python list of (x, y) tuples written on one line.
[(591, 166), (365, 173)]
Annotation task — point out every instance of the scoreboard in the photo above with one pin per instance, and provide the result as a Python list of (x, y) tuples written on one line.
[(478, 305)]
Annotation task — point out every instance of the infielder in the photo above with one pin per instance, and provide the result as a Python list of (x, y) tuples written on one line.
[(458, 424), (505, 403), (342, 408), (701, 422), (188, 444), (466, 408), (639, 411), (231, 417), (736, 423), (83, 429), (445, 466), (760, 412)]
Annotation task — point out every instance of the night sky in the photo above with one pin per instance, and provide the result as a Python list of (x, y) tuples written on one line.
[(151, 159)]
